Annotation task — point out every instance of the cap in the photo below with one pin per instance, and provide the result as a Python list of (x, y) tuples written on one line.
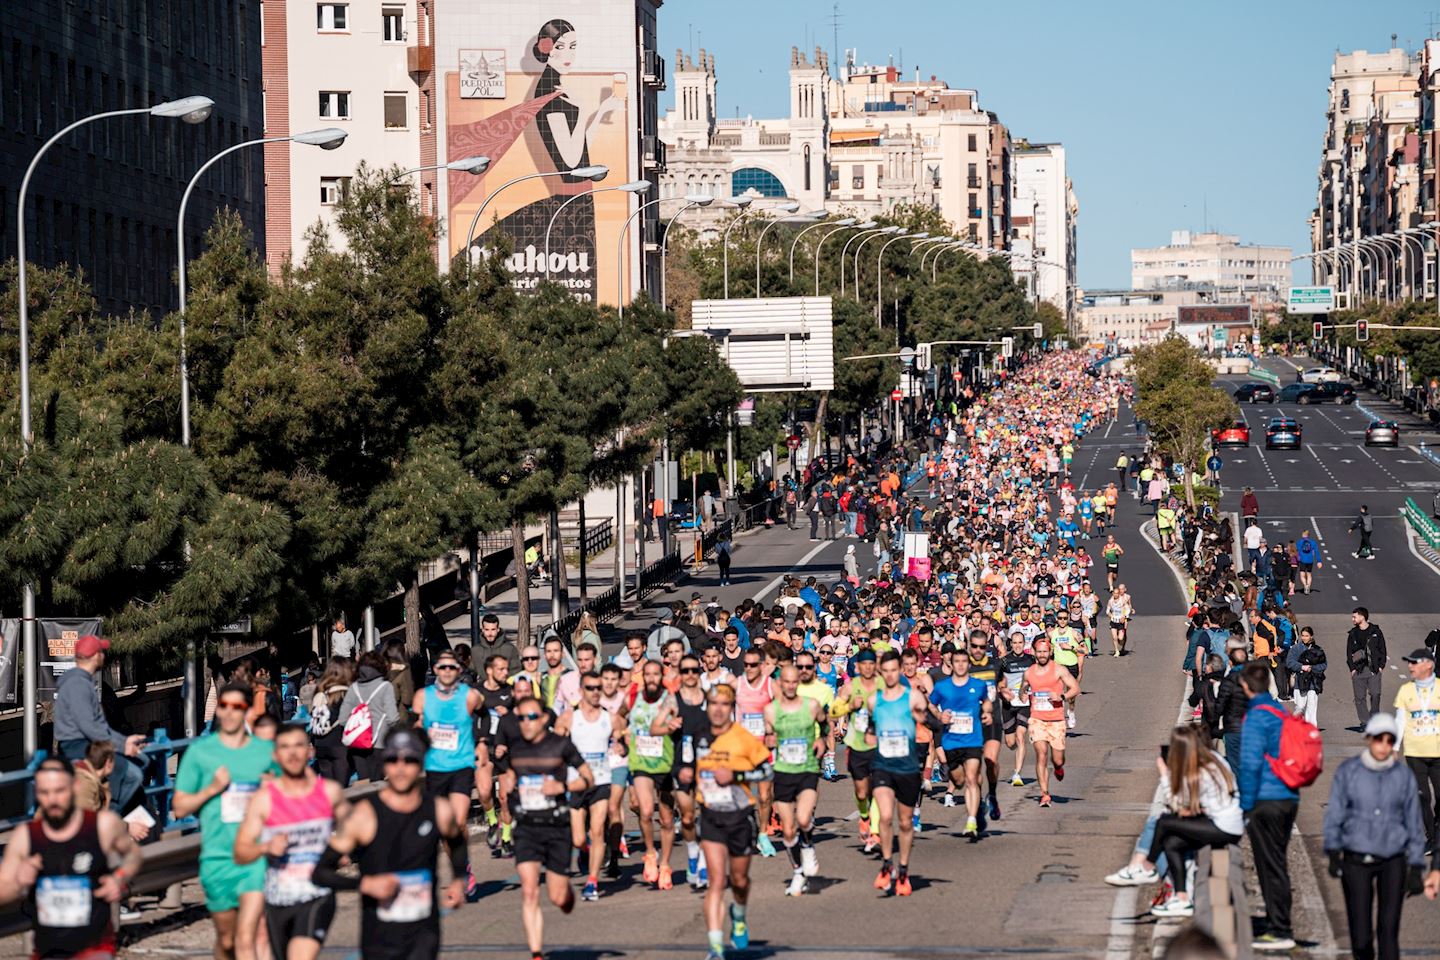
[(664, 613), (89, 645), (403, 742), (1420, 655), (1382, 723), (864, 655), (445, 655)]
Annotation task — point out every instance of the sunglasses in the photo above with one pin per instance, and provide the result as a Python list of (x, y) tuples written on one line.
[(232, 705), (1386, 738), (446, 666), (827, 653), (406, 759), (689, 670), (530, 658), (592, 687), (530, 716), (752, 663)]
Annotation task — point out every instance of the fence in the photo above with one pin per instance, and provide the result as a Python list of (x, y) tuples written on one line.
[(1422, 523), (1260, 373)]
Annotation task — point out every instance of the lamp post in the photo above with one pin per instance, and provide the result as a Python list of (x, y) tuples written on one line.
[(845, 252), (190, 110), (742, 202), (691, 200), (859, 226), (471, 165), (634, 186), (880, 274), (935, 261), (760, 241), (861, 246), (800, 233), (620, 259), (594, 173)]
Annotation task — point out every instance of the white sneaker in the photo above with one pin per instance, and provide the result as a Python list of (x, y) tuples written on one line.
[(1069, 719), (949, 799), (1017, 781), (797, 885), (1129, 876), (1174, 907), (809, 863)]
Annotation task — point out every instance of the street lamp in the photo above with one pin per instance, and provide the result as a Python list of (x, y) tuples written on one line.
[(471, 165), (634, 186), (845, 252), (691, 200), (760, 241), (594, 173), (880, 272), (742, 202), (935, 261), (861, 246), (859, 226), (800, 233), (189, 110)]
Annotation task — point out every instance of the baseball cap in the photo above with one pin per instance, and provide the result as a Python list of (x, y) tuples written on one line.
[(1420, 655), (1382, 723), (866, 654), (89, 645), (403, 742)]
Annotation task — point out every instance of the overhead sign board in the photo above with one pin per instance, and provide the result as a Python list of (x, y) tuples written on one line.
[(1311, 300), (1215, 315), (774, 344)]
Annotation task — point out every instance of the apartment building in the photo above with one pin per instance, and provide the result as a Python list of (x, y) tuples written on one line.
[(1214, 260), (1044, 212)]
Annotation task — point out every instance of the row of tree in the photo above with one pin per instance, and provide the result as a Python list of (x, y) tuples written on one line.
[(1421, 348), (1176, 396)]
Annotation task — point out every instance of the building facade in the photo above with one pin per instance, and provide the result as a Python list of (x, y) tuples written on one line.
[(106, 197), (1044, 212), (1215, 260), (543, 92)]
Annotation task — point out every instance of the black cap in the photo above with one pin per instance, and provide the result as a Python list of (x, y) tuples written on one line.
[(1420, 655), (865, 655), (403, 742)]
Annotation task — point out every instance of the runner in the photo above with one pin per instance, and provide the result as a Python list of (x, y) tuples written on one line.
[(653, 722), (754, 689), (1014, 704), (1048, 686), (1069, 650), (597, 734), (927, 751), (859, 746), (962, 704), (694, 724), (218, 775), (792, 730), (288, 822), (896, 710), (614, 695), (820, 689), (446, 710), (1111, 553), (394, 837), (1119, 612), (59, 862), (497, 698), (985, 668)]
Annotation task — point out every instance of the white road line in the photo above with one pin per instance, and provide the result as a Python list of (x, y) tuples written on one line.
[(765, 591), (1316, 527), (1383, 468), (1322, 464)]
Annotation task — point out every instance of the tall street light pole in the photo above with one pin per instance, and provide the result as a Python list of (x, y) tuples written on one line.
[(880, 275), (692, 200), (634, 186), (743, 203), (845, 253), (471, 165), (859, 226), (189, 110), (860, 247), (760, 241), (820, 222), (594, 173)]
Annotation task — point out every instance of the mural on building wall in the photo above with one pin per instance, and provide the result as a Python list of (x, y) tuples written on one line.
[(557, 111)]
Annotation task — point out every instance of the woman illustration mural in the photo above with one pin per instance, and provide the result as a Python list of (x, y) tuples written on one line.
[(558, 139)]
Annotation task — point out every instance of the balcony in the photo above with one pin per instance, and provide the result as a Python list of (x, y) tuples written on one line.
[(972, 182), (420, 58), (653, 70), (774, 139), (653, 151)]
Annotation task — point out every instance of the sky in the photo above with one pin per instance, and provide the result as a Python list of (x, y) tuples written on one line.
[(1173, 116)]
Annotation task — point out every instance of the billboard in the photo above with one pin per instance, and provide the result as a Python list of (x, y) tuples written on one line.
[(543, 90), (774, 344), (1219, 315), (1310, 300)]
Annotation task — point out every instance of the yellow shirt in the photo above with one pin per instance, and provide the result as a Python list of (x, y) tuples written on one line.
[(1421, 719), (817, 690)]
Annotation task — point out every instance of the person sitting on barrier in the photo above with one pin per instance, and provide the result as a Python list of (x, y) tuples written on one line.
[(79, 721)]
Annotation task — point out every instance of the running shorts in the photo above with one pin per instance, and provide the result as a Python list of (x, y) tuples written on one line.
[(588, 798), (905, 785), (789, 786), (223, 881), (1012, 717), (859, 763), (440, 784), (1048, 731), (547, 845), (736, 829), (299, 921)]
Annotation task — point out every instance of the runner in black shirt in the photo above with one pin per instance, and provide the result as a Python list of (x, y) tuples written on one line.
[(1014, 709), (497, 696)]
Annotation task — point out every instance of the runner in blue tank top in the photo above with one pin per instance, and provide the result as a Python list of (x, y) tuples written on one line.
[(446, 710), (895, 709)]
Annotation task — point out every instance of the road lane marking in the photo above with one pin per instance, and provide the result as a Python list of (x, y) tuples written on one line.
[(765, 591)]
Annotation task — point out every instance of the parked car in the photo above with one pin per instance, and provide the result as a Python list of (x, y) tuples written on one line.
[(1255, 393), (682, 515), (1235, 435), (1382, 433), (1282, 432), (1320, 375), (1291, 392), (1329, 392)]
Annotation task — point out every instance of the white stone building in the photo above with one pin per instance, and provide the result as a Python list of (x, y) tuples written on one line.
[(1211, 260)]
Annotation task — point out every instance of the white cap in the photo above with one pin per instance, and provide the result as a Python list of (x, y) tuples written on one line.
[(1382, 723)]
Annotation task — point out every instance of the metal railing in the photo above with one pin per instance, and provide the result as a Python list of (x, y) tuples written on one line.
[(1421, 522)]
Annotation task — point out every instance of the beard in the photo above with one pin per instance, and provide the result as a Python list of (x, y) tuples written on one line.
[(59, 820)]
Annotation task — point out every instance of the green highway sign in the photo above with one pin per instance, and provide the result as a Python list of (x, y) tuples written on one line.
[(1311, 300)]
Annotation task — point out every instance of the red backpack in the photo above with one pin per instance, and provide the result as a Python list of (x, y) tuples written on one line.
[(1302, 752)]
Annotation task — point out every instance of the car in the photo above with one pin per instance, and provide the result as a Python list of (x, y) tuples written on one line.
[(1320, 375), (1282, 432), (1255, 393), (1382, 433), (1235, 435), (1292, 392), (682, 515), (1329, 392)]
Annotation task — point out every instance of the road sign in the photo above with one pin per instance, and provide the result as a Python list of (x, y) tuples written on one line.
[(793, 442), (957, 376), (1311, 300), (922, 357), (1007, 347), (896, 394)]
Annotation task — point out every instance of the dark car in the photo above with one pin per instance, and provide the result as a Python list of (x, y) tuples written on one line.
[(1255, 393), (1292, 392), (1330, 392), (1235, 435), (1382, 433), (1282, 432)]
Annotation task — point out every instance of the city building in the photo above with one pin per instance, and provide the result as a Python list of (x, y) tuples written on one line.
[(106, 197), (419, 84), (1043, 219), (1215, 260)]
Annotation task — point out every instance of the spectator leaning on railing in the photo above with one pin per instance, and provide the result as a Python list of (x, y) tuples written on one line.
[(79, 721)]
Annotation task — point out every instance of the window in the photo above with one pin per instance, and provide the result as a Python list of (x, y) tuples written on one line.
[(857, 177), (392, 24), (972, 143), (763, 182), (807, 166), (395, 111), (335, 104), (334, 189), (332, 17)]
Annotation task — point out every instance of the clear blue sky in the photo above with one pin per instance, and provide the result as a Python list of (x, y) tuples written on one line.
[(1165, 110)]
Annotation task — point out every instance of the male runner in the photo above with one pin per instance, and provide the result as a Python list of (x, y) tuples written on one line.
[(694, 723), (896, 711), (927, 751), (596, 733), (288, 823), (1014, 704), (962, 704), (792, 727), (218, 775), (812, 685), (446, 710), (714, 669), (394, 837), (753, 690), (1048, 686), (729, 762), (854, 701), (985, 668), (60, 862), (497, 697), (1111, 553), (1069, 652), (652, 722), (614, 697)]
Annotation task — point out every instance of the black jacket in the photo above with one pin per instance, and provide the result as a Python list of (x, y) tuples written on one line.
[(1231, 703), (1365, 649), (1205, 695)]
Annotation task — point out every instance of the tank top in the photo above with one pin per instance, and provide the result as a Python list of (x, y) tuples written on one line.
[(592, 739), (895, 734), (1047, 693), (795, 732), (860, 724), (750, 704), (694, 723), (67, 917), (405, 844), (451, 731), (649, 752), (306, 822)]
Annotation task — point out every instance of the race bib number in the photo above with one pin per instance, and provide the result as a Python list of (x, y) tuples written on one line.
[(687, 749), (533, 798), (63, 901), (962, 724), (990, 691), (715, 796), (1426, 723), (793, 751), (413, 901), (234, 801), (840, 663), (444, 736), (599, 768), (755, 723), (894, 745), (1042, 699), (649, 746)]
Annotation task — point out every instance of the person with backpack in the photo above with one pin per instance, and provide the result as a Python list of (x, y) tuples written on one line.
[(1364, 523), (332, 758), (367, 713), (1366, 655), (792, 500), (1307, 560)]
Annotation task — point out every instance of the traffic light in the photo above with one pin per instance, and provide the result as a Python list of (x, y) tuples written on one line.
[(1318, 331), (1007, 347), (1039, 331), (1362, 330), (922, 356)]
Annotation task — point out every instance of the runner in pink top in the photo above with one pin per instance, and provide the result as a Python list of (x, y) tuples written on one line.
[(753, 693)]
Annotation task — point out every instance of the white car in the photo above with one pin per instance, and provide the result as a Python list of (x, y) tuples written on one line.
[(1320, 375)]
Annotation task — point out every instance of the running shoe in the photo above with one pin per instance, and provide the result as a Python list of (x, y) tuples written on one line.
[(715, 954), (827, 767), (739, 931), (1044, 799), (994, 805), (972, 828), (507, 850), (883, 879), (1269, 942), (797, 884), (666, 879), (624, 847), (1174, 907), (650, 872), (1059, 771), (767, 849), (692, 871), (1128, 876), (704, 878), (902, 885), (809, 862), (864, 828), (1017, 781), (871, 842), (472, 889), (949, 799), (591, 893), (1069, 719)]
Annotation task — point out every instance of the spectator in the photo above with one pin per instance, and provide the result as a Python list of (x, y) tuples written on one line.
[(79, 721), (1366, 656), (1249, 508), (493, 641), (1231, 703), (1306, 662), (263, 700), (342, 640), (587, 632), (372, 686), (401, 674), (663, 631), (1205, 697), (1204, 811), (1373, 833), (1417, 710), (1270, 803), (327, 723)]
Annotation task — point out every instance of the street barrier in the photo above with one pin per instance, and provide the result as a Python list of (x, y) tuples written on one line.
[(1260, 373), (1421, 523)]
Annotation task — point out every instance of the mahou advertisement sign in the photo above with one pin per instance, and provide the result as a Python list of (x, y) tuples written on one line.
[(543, 92)]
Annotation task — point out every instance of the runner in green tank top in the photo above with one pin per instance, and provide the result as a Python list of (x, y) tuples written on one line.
[(793, 726), (654, 720), (853, 701)]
